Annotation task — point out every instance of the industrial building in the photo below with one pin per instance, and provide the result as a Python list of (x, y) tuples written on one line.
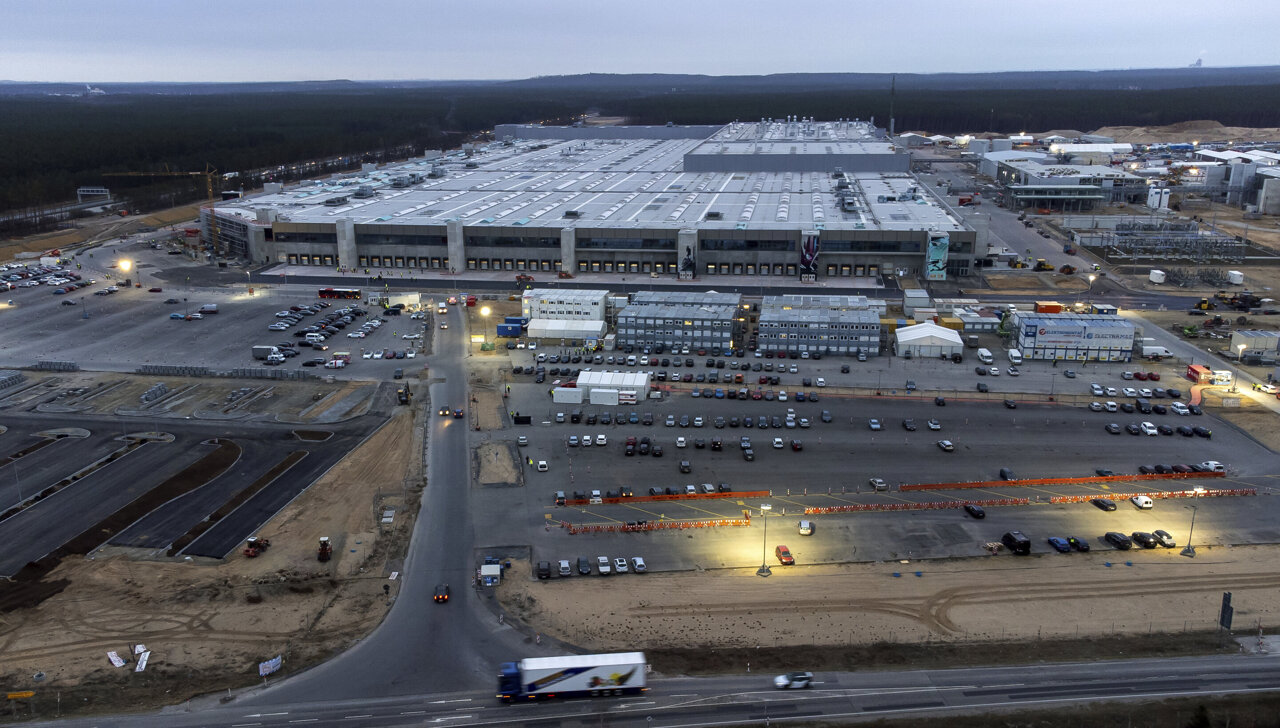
[(565, 304), (817, 326), (604, 388), (1069, 188), (677, 327), (1074, 337), (790, 198)]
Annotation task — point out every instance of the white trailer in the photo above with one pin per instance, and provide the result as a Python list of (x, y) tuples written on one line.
[(537, 678)]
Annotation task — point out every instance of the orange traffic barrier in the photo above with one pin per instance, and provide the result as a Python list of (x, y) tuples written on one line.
[(931, 505), (657, 526), (1157, 495), (1058, 481)]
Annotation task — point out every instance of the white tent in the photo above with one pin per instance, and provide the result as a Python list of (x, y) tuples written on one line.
[(927, 340), (562, 329)]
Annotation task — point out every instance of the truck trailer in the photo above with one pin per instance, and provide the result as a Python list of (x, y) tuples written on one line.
[(262, 352), (569, 676)]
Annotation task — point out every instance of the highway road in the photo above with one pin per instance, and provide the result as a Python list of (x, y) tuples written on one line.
[(749, 698)]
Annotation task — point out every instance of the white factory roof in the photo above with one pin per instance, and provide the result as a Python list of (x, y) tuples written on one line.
[(1268, 158), (565, 329), (613, 380), (615, 183), (1037, 169), (1007, 155), (927, 333), (1091, 148)]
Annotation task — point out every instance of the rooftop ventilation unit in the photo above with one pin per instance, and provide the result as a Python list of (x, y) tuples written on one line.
[(573, 213), (714, 215)]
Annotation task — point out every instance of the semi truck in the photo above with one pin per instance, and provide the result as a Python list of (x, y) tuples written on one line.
[(569, 676), (262, 352)]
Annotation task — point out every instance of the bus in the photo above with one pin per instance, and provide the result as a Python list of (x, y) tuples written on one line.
[(351, 293)]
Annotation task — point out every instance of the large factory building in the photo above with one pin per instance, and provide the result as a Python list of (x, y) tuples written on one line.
[(792, 198)]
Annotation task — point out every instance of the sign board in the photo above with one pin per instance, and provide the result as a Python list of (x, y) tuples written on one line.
[(1224, 616), (22, 695), (270, 666), (936, 257)]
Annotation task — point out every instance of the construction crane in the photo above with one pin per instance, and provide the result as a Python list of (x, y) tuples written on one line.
[(209, 174)]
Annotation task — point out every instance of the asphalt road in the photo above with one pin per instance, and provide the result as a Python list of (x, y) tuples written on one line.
[(743, 698), (422, 645)]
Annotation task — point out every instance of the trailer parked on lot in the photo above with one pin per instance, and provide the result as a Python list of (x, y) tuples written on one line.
[(537, 678)]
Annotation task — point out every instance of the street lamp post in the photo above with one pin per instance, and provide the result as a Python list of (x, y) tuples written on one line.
[(1189, 550), (1239, 355), (484, 316), (764, 543)]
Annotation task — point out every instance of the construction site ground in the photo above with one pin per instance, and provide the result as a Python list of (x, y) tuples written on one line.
[(993, 609), (208, 626)]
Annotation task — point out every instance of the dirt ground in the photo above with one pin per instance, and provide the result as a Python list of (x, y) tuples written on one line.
[(497, 464), (1043, 284), (981, 599), (208, 625), (1186, 131)]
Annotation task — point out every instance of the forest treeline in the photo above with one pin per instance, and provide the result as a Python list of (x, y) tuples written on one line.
[(52, 145)]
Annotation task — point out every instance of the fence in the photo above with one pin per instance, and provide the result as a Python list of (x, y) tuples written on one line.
[(57, 366), (930, 506), (10, 378)]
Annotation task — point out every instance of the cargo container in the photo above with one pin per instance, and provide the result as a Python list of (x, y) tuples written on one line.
[(538, 678), (1048, 307), (509, 330)]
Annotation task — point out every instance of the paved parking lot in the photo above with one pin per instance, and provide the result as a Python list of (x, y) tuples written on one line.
[(124, 330), (174, 453), (1034, 440)]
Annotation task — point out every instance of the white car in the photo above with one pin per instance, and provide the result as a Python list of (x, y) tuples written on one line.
[(1144, 392), (681, 442), (410, 354), (994, 371), (638, 565), (1111, 391), (1096, 390), (284, 314), (542, 466), (1130, 392), (356, 335), (278, 327), (821, 382), (1013, 371), (1095, 406), (1149, 429), (586, 440), (601, 440), (777, 443), (620, 565), (698, 422), (602, 563), (782, 395), (411, 337), (377, 354), (1111, 407), (1179, 408), (367, 355)]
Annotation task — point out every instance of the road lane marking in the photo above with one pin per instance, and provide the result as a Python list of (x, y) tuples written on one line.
[(455, 700), (243, 725), (350, 717)]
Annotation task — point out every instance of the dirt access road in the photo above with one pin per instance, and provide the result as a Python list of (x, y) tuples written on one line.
[(208, 626)]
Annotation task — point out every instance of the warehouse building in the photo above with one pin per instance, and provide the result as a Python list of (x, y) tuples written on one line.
[(613, 388), (816, 328), (1074, 337), (1255, 344), (1070, 188), (679, 328), (793, 198)]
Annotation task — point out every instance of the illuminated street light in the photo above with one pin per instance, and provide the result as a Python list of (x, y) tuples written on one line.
[(764, 544)]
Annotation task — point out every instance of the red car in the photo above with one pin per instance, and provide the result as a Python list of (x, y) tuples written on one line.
[(784, 556), (758, 394), (155, 290), (764, 379), (1140, 376), (1153, 376)]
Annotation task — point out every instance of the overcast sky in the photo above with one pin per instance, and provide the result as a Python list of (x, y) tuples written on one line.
[(297, 40)]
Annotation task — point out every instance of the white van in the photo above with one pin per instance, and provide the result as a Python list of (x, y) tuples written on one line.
[(1015, 356), (984, 356), (1142, 502), (315, 338)]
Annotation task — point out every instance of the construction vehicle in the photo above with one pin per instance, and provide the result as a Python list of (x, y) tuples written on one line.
[(403, 395), (1017, 263), (564, 274), (1205, 305), (968, 201), (1067, 269), (1042, 264), (1068, 248), (325, 552), (254, 546), (1191, 332), (523, 278)]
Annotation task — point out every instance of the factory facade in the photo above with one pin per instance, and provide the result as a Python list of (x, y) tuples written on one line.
[(791, 198)]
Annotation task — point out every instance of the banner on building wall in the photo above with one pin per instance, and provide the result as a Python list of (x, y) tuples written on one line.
[(809, 247), (936, 257)]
